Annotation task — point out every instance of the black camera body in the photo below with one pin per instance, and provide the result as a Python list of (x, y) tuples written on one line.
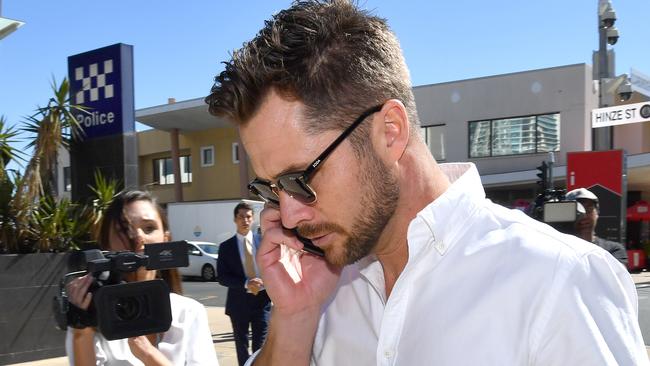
[(122, 309), (551, 207)]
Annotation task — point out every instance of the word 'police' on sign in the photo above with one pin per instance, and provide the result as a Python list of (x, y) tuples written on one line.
[(620, 115)]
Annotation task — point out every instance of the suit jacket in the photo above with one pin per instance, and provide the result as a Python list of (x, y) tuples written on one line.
[(230, 273)]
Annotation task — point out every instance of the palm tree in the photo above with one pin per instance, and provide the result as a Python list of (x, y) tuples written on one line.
[(60, 225), (31, 216), (8, 153), (8, 180), (104, 190), (48, 126)]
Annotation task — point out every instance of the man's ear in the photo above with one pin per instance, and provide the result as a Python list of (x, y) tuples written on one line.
[(395, 130)]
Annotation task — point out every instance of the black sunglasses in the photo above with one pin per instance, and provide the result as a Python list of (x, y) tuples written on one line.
[(296, 184)]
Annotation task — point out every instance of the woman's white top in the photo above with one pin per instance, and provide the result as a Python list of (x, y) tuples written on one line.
[(187, 342)]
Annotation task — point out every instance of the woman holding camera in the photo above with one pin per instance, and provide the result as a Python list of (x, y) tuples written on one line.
[(133, 220)]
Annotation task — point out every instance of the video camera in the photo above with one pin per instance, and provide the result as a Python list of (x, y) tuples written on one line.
[(551, 207), (120, 309)]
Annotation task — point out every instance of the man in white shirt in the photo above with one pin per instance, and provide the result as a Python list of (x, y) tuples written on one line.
[(419, 268)]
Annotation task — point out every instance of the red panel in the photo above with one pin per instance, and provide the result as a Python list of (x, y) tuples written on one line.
[(587, 168), (640, 211), (636, 259)]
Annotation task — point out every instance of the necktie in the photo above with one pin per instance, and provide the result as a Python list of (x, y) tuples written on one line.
[(249, 266)]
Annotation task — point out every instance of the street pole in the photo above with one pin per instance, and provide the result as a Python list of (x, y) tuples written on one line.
[(602, 138), (551, 163), (603, 135)]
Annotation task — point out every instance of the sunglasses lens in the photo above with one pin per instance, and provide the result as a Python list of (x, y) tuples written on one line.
[(294, 186), (265, 192)]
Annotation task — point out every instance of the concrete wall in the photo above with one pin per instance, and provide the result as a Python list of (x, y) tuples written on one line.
[(567, 90), (28, 283)]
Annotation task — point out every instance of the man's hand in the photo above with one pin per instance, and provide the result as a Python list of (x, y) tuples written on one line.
[(255, 285), (145, 351), (319, 278), (296, 303)]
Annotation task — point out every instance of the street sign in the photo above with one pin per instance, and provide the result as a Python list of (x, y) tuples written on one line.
[(102, 81), (620, 115)]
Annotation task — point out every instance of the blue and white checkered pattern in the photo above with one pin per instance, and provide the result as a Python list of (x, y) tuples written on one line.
[(93, 82)]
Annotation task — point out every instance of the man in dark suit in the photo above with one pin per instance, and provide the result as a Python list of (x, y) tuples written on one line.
[(247, 302)]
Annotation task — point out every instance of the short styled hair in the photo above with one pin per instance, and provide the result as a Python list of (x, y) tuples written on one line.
[(242, 206), (335, 58)]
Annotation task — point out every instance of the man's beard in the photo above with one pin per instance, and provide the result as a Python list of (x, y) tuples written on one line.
[(378, 202)]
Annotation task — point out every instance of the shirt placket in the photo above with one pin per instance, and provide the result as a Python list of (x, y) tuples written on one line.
[(393, 321)]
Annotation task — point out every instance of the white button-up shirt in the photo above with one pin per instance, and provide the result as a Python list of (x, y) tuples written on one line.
[(483, 285)]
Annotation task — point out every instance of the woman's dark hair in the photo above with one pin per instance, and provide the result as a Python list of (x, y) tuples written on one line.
[(115, 218)]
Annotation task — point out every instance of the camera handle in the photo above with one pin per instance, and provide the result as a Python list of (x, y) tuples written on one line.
[(65, 313)]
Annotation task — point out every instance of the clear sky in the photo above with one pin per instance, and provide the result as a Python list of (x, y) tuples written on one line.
[(178, 45)]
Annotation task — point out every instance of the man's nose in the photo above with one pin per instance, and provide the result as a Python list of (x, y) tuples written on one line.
[(293, 212)]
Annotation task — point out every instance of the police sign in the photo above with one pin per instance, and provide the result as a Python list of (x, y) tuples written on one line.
[(102, 81), (620, 115)]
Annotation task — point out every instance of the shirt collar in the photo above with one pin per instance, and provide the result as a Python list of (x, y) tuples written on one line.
[(443, 219), (240, 237)]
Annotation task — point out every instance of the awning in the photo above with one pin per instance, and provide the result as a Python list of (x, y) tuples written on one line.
[(640, 211)]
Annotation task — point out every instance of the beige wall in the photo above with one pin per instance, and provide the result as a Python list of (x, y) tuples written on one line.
[(566, 89), (219, 181)]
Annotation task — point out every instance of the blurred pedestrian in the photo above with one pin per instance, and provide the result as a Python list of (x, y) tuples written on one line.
[(585, 226), (247, 303)]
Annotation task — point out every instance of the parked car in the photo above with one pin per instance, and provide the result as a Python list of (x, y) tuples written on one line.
[(202, 257)]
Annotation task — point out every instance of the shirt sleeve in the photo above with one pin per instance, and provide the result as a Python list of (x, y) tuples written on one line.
[(200, 350), (590, 316)]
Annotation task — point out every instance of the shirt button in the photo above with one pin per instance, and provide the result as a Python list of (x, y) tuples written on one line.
[(388, 353), (440, 247)]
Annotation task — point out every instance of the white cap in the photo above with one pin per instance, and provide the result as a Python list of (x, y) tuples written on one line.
[(581, 193)]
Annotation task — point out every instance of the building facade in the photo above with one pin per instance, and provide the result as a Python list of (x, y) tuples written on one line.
[(505, 124)]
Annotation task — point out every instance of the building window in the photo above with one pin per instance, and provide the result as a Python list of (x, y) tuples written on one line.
[(514, 136), (434, 136), (67, 179), (207, 156), (235, 153), (163, 173)]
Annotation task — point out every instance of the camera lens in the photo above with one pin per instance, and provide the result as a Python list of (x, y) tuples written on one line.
[(128, 308)]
